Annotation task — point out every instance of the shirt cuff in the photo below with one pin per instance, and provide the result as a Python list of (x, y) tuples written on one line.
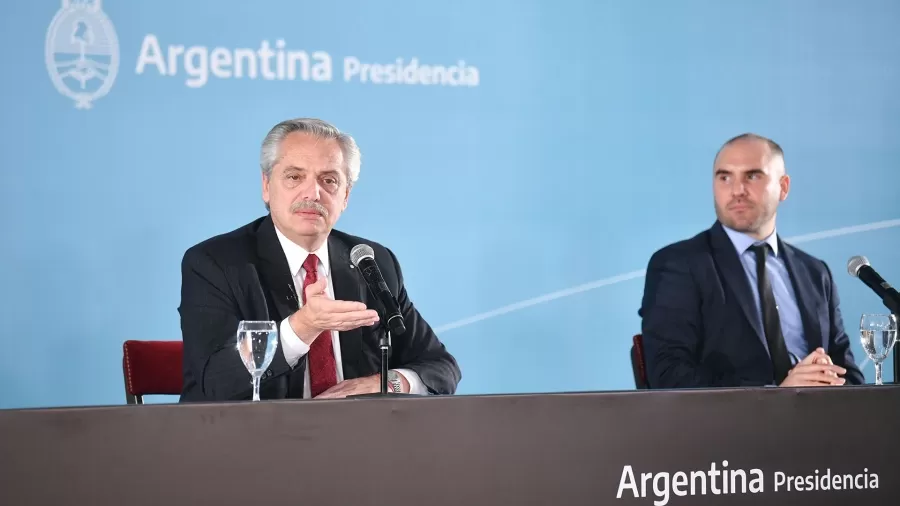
[(415, 383), (291, 345)]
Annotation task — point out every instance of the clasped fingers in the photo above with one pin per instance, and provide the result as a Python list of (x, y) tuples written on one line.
[(834, 370)]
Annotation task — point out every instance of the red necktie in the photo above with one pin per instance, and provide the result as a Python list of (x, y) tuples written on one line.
[(322, 366)]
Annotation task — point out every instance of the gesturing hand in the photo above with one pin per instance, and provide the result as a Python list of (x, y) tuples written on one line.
[(321, 313), (816, 369)]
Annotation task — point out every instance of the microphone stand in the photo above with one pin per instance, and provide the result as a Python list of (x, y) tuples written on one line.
[(384, 343), (895, 312), (894, 308), (896, 358)]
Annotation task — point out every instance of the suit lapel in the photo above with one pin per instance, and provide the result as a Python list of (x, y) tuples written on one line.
[(347, 286), (802, 282), (733, 271), (275, 274)]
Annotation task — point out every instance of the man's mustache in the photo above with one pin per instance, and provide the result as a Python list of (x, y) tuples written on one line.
[(309, 204)]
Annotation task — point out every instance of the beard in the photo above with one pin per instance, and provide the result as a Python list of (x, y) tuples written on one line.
[(749, 220)]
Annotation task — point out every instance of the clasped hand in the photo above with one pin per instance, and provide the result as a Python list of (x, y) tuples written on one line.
[(816, 370)]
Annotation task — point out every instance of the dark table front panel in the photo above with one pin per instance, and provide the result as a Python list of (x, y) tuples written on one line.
[(556, 449)]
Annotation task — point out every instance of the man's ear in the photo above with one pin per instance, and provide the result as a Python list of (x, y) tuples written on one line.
[(785, 183), (265, 189)]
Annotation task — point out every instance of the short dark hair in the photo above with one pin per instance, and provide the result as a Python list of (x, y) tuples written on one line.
[(774, 148)]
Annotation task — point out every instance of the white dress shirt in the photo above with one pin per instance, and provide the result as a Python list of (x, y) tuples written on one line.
[(292, 346)]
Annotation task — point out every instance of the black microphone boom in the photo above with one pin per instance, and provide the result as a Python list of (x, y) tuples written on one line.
[(363, 257), (859, 267)]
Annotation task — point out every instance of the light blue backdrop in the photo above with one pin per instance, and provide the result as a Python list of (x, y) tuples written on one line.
[(585, 146)]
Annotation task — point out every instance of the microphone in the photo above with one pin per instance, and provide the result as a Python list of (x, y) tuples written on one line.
[(859, 267), (363, 257)]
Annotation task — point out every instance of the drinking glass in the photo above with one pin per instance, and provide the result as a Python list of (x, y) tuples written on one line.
[(256, 345), (878, 333)]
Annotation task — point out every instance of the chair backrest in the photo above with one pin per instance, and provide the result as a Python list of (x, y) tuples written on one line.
[(151, 368), (637, 363)]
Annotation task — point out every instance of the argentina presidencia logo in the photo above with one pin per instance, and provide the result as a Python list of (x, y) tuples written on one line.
[(82, 52)]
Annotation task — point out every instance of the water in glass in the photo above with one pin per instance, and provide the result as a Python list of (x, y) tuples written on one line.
[(878, 333), (256, 345)]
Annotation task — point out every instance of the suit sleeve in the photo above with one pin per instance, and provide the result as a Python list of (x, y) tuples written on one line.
[(419, 349), (210, 313), (839, 343), (672, 328)]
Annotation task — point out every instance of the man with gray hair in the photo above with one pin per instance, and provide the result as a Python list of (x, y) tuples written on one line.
[(292, 267)]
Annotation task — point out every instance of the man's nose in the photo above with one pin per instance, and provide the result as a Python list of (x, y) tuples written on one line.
[(310, 191)]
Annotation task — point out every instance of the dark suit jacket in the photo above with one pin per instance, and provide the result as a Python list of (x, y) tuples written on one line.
[(219, 288), (700, 324)]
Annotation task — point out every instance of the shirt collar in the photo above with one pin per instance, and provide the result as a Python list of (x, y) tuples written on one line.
[(296, 254), (743, 241)]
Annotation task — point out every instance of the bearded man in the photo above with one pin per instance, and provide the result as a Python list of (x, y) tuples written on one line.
[(735, 305)]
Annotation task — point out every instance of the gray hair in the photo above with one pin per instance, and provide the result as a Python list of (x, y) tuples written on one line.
[(269, 153)]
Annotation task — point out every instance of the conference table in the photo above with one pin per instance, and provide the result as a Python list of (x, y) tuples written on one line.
[(767, 446)]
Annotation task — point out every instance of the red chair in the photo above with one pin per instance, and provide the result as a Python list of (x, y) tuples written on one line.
[(638, 365), (151, 368)]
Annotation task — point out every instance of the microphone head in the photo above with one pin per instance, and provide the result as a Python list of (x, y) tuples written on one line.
[(855, 264), (361, 251)]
